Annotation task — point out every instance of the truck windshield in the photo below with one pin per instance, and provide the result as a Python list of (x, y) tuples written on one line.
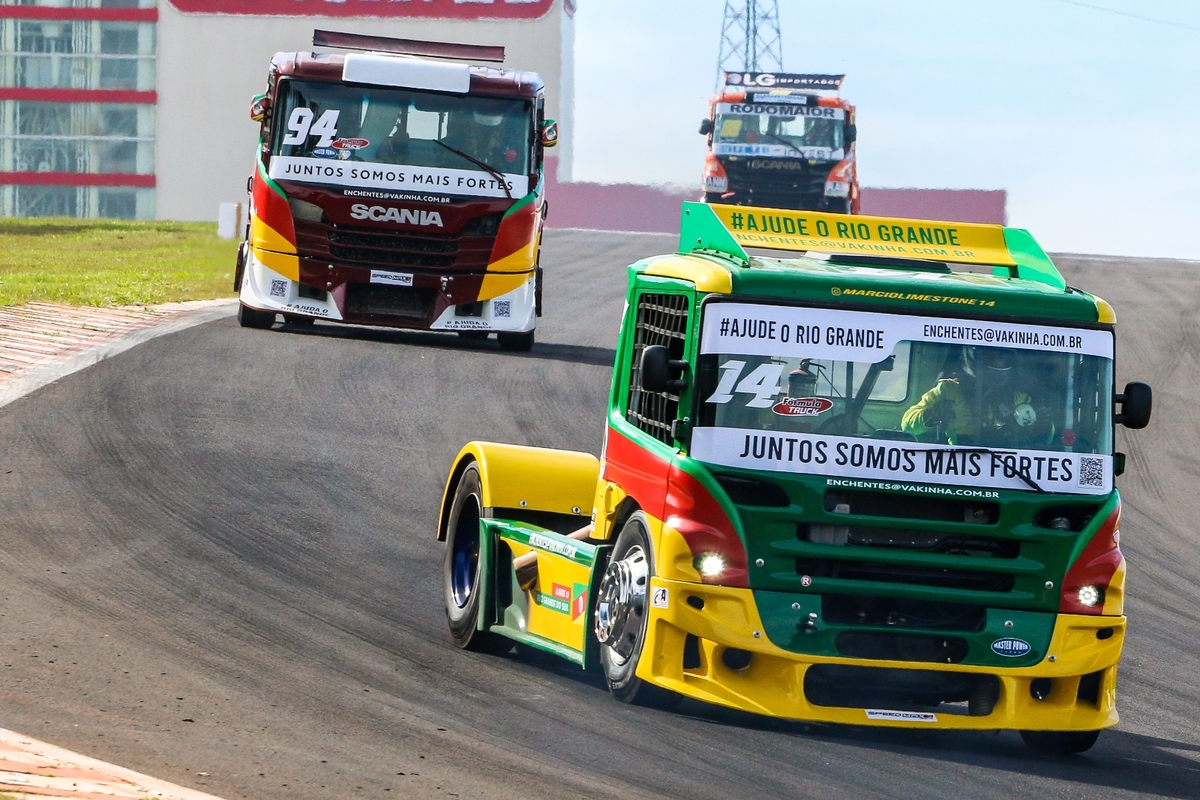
[(891, 396), (324, 121), (758, 129)]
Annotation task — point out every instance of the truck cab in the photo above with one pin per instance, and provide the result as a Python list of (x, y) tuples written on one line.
[(781, 141), (397, 185)]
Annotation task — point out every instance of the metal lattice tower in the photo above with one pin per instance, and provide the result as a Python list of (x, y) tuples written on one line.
[(750, 40)]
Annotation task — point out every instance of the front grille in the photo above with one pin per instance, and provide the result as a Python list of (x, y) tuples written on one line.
[(374, 300), (391, 258), (932, 577), (902, 613), (375, 240), (898, 539), (895, 646), (802, 188), (902, 506), (401, 249)]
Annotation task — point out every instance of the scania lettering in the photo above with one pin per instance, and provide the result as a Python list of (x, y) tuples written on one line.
[(450, 157), (782, 141), (821, 504)]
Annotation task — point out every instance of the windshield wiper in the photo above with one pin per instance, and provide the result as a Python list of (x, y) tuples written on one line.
[(495, 173), (1020, 473)]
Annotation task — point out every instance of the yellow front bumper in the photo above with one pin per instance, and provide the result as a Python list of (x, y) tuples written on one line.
[(772, 683)]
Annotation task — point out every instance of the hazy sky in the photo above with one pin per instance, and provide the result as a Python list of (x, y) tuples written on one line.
[(1086, 112)]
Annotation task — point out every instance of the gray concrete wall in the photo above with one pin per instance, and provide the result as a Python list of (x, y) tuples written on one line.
[(209, 66)]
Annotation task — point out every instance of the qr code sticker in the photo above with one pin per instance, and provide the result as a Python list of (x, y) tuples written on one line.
[(278, 288), (502, 308), (1091, 471)]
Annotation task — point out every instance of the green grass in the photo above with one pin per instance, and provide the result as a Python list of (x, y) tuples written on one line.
[(112, 262)]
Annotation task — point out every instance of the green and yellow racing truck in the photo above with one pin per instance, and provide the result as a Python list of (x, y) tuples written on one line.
[(868, 480)]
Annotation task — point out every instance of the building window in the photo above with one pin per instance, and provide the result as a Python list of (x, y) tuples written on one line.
[(77, 113)]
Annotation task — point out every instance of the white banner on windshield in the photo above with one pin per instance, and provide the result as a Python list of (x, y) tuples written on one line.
[(365, 174), (867, 337), (777, 151), (908, 462)]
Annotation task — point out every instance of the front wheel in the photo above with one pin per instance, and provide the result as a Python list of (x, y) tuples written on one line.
[(253, 318), (1059, 743), (622, 613), (516, 342), (462, 568)]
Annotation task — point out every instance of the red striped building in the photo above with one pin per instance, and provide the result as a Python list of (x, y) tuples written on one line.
[(137, 109)]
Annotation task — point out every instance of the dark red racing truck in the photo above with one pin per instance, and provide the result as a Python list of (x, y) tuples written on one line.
[(400, 185), (781, 140)]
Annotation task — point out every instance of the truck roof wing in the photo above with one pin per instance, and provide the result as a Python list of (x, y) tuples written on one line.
[(728, 230), (408, 47)]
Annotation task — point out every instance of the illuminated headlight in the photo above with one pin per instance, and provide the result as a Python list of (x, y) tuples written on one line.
[(1090, 596), (710, 565), (305, 211), (837, 189), (716, 183)]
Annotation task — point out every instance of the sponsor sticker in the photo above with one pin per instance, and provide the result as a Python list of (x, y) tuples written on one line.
[(900, 716), (324, 152), (391, 278), (1011, 647), (659, 597), (802, 406), (350, 144), (580, 601), (554, 603)]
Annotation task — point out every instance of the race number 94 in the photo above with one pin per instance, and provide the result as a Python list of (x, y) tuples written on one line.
[(300, 126)]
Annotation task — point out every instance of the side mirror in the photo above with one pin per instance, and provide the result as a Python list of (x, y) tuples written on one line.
[(706, 127), (1136, 402), (259, 107), (658, 371), (851, 134), (549, 133)]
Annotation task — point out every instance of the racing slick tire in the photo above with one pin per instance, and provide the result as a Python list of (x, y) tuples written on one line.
[(253, 318), (1059, 743), (516, 342), (463, 569), (623, 593)]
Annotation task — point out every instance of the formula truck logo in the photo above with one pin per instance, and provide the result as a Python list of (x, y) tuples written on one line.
[(802, 406), (408, 216)]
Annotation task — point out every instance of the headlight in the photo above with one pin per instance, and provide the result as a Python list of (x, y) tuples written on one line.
[(837, 189), (710, 565), (305, 211), (1090, 596)]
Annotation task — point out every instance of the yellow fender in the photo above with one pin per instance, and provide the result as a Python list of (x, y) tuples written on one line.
[(526, 478)]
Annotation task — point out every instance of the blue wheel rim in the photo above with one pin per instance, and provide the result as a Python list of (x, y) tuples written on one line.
[(465, 563)]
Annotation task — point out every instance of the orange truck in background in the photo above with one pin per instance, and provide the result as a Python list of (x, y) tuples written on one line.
[(781, 140)]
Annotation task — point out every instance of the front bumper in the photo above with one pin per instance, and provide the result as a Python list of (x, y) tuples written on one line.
[(709, 643), (499, 302)]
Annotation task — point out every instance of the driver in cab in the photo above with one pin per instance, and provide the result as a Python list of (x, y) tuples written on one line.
[(981, 395)]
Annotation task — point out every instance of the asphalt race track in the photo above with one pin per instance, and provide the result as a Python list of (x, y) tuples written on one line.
[(218, 568)]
